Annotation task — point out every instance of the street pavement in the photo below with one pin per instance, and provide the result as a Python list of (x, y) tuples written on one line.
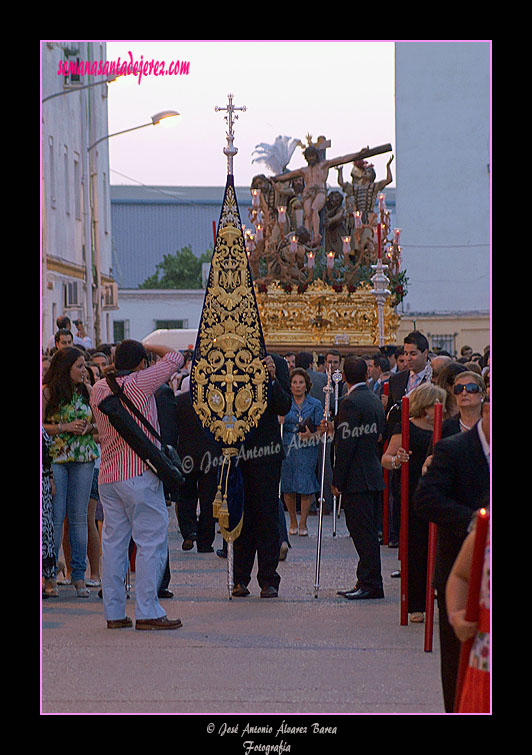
[(291, 657)]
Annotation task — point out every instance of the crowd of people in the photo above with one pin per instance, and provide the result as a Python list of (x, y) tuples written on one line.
[(100, 499)]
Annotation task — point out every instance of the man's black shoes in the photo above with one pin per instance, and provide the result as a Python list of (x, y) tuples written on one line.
[(240, 591), (269, 592), (165, 594), (361, 594), (188, 542)]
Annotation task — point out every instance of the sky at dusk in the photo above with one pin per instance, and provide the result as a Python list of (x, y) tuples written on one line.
[(342, 89)]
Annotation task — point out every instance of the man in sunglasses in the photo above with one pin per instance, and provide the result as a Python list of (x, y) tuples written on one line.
[(455, 485)]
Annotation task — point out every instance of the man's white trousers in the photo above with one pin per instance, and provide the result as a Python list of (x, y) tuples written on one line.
[(134, 508)]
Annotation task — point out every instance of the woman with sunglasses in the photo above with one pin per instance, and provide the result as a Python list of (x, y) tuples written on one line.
[(421, 428), (445, 380), (469, 391)]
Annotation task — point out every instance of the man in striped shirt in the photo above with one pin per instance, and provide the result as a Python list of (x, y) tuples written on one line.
[(131, 494)]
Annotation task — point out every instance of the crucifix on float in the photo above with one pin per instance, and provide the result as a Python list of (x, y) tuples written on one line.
[(315, 178)]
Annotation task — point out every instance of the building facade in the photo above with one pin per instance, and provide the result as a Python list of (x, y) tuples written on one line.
[(77, 275), (443, 137), (152, 221)]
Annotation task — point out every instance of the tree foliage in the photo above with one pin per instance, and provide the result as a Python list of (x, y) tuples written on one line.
[(182, 269)]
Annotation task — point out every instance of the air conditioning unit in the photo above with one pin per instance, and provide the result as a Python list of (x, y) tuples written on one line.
[(110, 295), (72, 293)]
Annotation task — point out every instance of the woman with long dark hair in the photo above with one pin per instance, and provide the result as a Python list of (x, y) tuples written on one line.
[(68, 420)]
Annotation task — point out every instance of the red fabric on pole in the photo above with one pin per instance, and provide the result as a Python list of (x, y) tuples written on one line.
[(403, 537), (431, 556), (473, 594)]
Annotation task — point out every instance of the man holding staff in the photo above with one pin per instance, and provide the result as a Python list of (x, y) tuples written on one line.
[(358, 475)]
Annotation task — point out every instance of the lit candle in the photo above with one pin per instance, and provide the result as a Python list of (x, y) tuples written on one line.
[(310, 259), (330, 260), (472, 606), (396, 232), (358, 221), (255, 201), (381, 202), (346, 240), (293, 243), (258, 234), (281, 214)]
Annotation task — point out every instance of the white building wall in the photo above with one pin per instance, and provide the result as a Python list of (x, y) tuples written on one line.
[(140, 309), (71, 122), (442, 105)]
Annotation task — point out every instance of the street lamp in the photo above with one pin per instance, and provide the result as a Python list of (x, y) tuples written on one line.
[(94, 210), (155, 119), (107, 80)]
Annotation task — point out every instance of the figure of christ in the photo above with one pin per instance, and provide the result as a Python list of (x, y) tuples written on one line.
[(315, 177)]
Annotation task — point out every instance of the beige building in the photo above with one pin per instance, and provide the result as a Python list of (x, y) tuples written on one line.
[(449, 331)]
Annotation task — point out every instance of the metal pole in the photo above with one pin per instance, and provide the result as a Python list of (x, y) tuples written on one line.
[(337, 376), (327, 390)]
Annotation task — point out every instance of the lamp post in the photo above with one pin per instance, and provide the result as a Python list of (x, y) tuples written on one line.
[(107, 80), (94, 210), (155, 119), (380, 280)]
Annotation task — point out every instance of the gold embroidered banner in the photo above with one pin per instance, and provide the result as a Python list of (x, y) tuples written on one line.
[(229, 381)]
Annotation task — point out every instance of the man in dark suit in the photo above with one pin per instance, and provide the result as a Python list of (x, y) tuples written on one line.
[(260, 461), (199, 455), (378, 370), (416, 351), (455, 485), (358, 475)]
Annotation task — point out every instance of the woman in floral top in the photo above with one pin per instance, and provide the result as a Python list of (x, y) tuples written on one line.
[(68, 420)]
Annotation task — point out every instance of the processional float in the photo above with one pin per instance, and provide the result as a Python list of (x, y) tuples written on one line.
[(266, 285)]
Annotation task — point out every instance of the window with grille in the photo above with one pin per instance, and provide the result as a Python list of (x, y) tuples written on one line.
[(443, 342), (119, 330), (170, 324)]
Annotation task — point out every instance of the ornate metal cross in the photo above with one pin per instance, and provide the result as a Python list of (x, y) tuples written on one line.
[(230, 150)]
